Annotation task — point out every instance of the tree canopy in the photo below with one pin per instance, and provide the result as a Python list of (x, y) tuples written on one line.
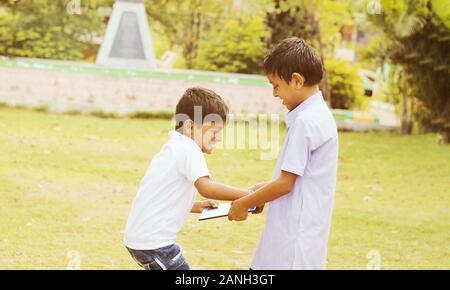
[(418, 39)]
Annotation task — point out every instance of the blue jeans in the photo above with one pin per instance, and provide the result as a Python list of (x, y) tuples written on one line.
[(165, 258)]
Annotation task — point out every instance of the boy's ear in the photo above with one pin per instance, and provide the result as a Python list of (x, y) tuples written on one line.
[(188, 126), (298, 80)]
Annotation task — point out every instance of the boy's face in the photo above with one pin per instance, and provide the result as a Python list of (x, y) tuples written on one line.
[(289, 93), (208, 134)]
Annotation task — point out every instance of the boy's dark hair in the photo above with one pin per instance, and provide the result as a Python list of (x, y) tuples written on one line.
[(209, 101), (294, 55)]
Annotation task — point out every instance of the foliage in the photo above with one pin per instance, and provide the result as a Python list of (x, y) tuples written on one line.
[(442, 10), (152, 115), (238, 46), (419, 41), (318, 22), (185, 22), (288, 18), (429, 121), (345, 84), (45, 29)]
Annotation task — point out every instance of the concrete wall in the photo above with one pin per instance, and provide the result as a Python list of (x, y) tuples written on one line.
[(86, 92), (64, 86)]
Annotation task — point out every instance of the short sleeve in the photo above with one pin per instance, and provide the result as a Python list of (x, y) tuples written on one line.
[(297, 148), (192, 164)]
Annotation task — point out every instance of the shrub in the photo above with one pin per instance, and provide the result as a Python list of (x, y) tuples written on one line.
[(151, 115), (346, 86), (40, 108), (104, 115)]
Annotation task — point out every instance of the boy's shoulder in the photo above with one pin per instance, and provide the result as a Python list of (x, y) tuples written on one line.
[(317, 117), (306, 121), (182, 147), (318, 128)]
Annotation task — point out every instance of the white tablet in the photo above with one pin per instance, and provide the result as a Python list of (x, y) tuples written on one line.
[(221, 211)]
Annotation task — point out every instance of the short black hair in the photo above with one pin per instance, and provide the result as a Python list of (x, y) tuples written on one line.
[(295, 55), (209, 101)]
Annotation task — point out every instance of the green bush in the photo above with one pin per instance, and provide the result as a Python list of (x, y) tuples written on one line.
[(44, 29), (40, 108), (346, 86), (104, 115), (429, 121), (151, 115), (20, 107), (238, 46), (73, 112)]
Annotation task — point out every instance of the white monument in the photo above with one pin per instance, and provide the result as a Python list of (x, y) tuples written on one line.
[(127, 42)]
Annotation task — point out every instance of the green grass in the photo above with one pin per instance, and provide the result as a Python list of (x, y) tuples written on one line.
[(67, 183)]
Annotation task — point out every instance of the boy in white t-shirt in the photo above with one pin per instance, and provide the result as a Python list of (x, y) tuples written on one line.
[(167, 191)]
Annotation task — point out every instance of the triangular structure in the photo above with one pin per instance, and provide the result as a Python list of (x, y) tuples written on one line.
[(127, 42)]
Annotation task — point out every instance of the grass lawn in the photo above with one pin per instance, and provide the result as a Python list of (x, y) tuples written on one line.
[(67, 183)]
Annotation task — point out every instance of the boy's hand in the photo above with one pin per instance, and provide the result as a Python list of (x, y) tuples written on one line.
[(208, 203), (237, 212), (259, 209), (199, 206)]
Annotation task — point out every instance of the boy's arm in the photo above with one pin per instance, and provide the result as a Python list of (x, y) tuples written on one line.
[(259, 208), (208, 188), (259, 185), (271, 191)]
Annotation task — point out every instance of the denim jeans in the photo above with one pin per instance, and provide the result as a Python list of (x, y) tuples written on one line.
[(165, 258)]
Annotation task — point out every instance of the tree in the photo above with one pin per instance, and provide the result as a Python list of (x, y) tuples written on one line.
[(45, 29), (294, 18), (313, 21), (419, 41), (239, 46), (185, 22)]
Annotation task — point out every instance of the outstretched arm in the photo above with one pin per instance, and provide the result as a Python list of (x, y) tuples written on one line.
[(271, 191), (259, 208), (209, 188), (259, 185)]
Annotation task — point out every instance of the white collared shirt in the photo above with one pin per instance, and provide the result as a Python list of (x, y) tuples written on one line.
[(166, 194), (298, 224)]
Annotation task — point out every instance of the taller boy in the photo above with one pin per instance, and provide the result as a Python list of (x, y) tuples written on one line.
[(301, 192)]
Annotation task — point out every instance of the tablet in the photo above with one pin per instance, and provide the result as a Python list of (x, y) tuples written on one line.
[(221, 211)]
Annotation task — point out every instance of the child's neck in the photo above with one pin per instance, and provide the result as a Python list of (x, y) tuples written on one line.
[(306, 93)]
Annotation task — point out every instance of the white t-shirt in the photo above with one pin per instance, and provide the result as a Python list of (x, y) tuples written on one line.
[(166, 194), (298, 224)]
